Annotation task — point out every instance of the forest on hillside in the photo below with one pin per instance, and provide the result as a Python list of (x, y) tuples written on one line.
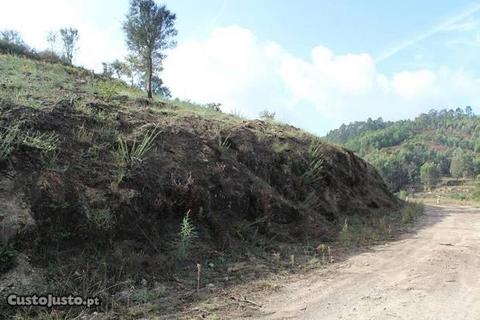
[(440, 143)]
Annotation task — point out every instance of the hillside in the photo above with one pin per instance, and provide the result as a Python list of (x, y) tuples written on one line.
[(103, 190), (448, 140)]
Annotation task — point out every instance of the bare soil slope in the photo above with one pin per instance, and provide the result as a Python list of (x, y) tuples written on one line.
[(81, 199), (430, 274)]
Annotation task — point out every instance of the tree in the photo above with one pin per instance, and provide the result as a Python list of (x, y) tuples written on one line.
[(159, 88), (461, 165), (12, 36), (150, 30), (429, 174), (52, 40), (69, 37)]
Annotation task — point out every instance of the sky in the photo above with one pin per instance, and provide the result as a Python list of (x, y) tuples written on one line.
[(316, 64)]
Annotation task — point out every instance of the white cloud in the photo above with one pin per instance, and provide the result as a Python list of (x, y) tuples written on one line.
[(414, 84), (100, 40), (235, 68)]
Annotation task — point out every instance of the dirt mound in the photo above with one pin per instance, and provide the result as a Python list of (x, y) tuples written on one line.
[(86, 181), (241, 174)]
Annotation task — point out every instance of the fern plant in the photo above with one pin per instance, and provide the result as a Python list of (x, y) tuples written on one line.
[(185, 237)]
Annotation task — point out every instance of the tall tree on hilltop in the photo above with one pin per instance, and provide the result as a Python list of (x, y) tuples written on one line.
[(150, 29), (69, 37)]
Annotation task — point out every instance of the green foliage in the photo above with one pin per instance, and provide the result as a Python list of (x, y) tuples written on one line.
[(315, 164), (101, 219), (398, 150), (186, 236), (13, 136), (403, 195), (128, 156), (43, 141), (364, 230), (461, 165), (108, 90), (150, 30), (8, 140), (69, 37), (476, 191), (429, 174), (411, 212), (8, 257)]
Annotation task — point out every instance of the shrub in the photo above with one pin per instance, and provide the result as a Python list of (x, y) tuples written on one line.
[(108, 90)]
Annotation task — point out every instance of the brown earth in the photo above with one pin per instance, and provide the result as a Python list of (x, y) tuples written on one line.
[(92, 224), (431, 273)]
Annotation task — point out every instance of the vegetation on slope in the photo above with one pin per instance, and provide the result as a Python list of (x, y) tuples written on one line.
[(443, 143), (106, 191)]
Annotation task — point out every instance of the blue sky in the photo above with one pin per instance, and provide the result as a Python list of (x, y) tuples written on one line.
[(317, 64)]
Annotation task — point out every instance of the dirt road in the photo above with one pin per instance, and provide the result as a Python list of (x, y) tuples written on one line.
[(433, 273)]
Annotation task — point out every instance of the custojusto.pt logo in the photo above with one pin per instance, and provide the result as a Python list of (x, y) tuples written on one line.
[(50, 300)]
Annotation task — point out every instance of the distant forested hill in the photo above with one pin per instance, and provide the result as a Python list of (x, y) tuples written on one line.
[(406, 152)]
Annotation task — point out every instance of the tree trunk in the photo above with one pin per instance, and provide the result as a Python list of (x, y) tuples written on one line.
[(149, 83)]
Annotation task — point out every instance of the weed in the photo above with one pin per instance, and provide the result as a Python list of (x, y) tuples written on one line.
[(364, 230), (128, 156), (108, 90), (43, 141), (8, 140), (223, 142), (186, 236), (83, 135), (101, 219), (411, 212), (315, 166)]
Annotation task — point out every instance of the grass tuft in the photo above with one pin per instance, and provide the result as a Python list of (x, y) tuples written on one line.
[(8, 140)]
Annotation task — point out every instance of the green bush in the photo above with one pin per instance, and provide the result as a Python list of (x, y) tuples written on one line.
[(108, 90)]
